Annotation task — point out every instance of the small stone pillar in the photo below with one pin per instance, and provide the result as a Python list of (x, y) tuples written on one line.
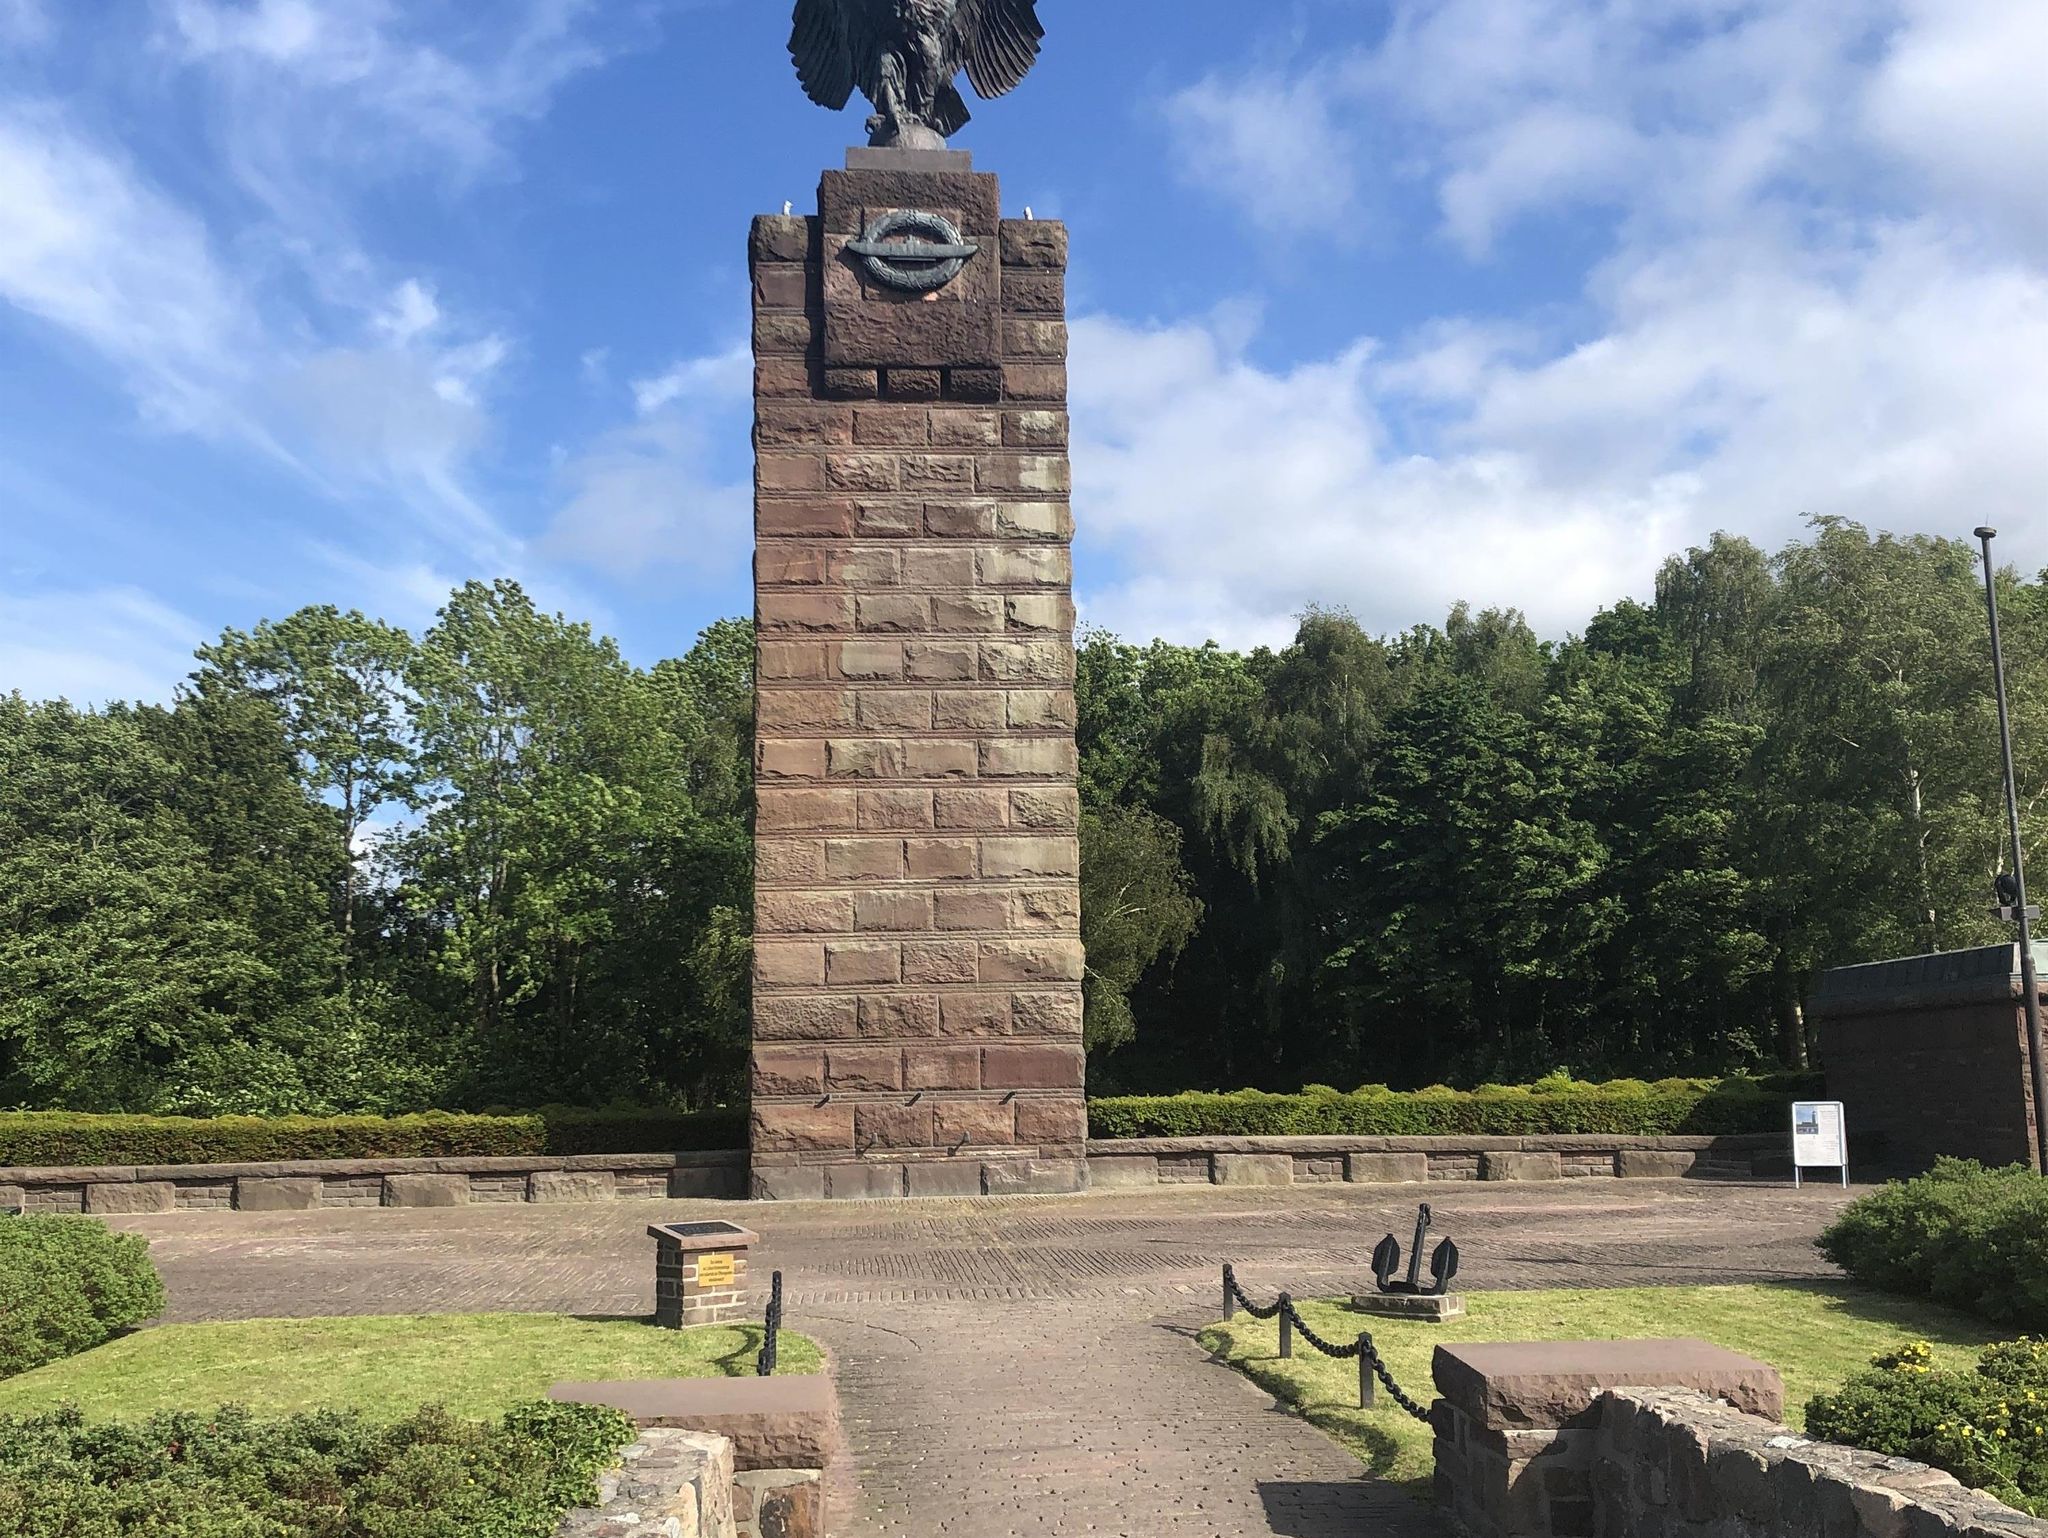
[(1928, 1055), (1518, 1425), (700, 1272)]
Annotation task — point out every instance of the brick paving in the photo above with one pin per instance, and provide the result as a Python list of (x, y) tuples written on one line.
[(1023, 1368)]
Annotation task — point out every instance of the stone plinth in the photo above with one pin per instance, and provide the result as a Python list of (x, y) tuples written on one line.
[(700, 1272), (917, 986), (1517, 1425), (1928, 1055), (1434, 1307)]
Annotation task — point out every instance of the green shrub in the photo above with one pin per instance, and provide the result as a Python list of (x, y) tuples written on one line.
[(231, 1475), (1627, 1107), (1970, 1237), (66, 1284), (1988, 1428), (31, 1138)]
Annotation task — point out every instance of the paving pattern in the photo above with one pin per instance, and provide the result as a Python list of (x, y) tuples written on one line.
[(1024, 1368)]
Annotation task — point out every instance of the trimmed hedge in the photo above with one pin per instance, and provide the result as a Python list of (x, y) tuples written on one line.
[(229, 1474), (67, 1284), (1970, 1237), (1625, 1107), (45, 1138)]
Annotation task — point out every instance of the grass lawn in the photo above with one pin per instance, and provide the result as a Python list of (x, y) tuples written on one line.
[(1815, 1334), (474, 1364)]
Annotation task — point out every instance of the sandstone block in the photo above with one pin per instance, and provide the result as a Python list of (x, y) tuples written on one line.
[(114, 1197), (972, 809), (894, 810), (1032, 961), (1654, 1163), (912, 384), (966, 429), (805, 518), (941, 961), (779, 809), (930, 567), (940, 859), (789, 963), (1520, 1166), (1229, 1169), (803, 913), (1062, 1122), (864, 1069), (1047, 1014), (864, 758), (892, 911), (870, 661), (1040, 243), (788, 859), (963, 911), (1034, 1177), (1044, 808), (940, 758), (942, 1068), (1386, 1168), (864, 859), (883, 427), (1009, 858), (426, 1190), (1116, 1172), (1032, 1067), (894, 710), (892, 1015), (787, 1071), (862, 1182), (892, 1126), (284, 1193), (801, 758), (974, 1014), (812, 1019), (558, 1186), (949, 1177), (968, 710), (853, 962), (792, 1183), (802, 1128), (974, 1123)]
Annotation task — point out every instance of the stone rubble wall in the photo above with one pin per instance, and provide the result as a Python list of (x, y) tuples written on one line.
[(669, 1484), (1678, 1464)]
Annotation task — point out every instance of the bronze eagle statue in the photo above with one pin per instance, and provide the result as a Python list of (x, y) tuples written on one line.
[(904, 55)]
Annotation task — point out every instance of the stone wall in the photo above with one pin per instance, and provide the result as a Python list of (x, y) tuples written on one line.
[(1667, 1439), (669, 1484), (1678, 1464), (1929, 1055), (308, 1184), (917, 997), (1139, 1162), (782, 1437)]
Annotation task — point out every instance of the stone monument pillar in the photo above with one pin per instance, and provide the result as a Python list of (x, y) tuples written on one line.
[(917, 976)]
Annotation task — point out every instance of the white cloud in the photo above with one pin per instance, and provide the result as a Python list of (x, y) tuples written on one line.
[(1271, 145), (1781, 322), (94, 645), (89, 246), (647, 496)]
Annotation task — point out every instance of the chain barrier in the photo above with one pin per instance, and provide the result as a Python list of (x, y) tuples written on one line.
[(1361, 1350), (765, 1363)]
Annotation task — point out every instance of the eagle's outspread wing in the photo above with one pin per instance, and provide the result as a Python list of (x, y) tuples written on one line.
[(996, 42), (834, 45)]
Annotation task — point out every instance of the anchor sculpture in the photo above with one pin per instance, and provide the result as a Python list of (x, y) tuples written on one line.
[(1443, 1265)]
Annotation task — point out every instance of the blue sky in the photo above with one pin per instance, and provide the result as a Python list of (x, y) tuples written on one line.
[(1376, 304)]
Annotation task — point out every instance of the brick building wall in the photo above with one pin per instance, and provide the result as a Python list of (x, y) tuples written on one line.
[(917, 986), (1929, 1054)]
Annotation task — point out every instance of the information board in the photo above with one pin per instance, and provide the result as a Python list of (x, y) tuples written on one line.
[(1820, 1138)]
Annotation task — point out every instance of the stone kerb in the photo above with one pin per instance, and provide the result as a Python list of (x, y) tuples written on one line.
[(917, 1004)]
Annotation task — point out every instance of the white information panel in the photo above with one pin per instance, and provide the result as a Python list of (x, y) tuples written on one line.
[(1820, 1138)]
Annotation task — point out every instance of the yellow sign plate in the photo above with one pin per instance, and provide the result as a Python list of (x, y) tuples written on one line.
[(714, 1271)]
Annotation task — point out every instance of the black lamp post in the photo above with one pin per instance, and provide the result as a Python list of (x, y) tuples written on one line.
[(2029, 987)]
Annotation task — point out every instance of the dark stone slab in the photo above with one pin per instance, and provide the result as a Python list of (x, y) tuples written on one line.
[(774, 1423), (1986, 972), (1524, 1385)]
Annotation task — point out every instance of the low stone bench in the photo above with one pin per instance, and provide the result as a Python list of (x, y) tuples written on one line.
[(1125, 1163), (784, 1433)]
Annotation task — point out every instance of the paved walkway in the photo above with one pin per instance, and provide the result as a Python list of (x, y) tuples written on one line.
[(1022, 1368)]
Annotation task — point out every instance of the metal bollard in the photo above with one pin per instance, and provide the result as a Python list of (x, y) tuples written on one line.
[(1229, 1296), (1286, 1329), (1368, 1386)]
